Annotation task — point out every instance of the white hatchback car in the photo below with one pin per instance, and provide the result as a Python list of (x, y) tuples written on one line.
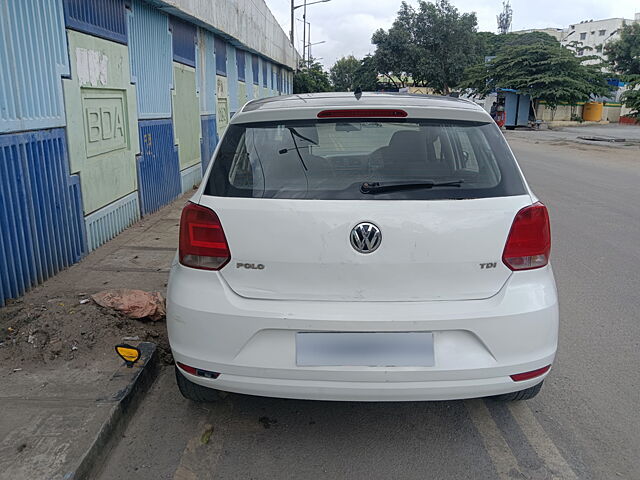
[(379, 247)]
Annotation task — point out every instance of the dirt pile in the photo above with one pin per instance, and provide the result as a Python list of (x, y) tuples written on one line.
[(70, 330)]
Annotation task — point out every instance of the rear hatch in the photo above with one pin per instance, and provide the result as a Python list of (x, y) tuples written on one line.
[(430, 250), (289, 195)]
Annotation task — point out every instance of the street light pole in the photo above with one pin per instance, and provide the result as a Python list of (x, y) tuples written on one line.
[(304, 17), (304, 31)]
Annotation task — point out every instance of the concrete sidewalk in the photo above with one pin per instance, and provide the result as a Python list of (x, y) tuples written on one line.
[(627, 136), (59, 396)]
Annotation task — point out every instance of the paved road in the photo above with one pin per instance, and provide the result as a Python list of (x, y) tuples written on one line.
[(584, 425)]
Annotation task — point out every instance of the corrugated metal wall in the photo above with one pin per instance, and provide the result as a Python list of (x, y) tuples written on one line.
[(151, 65), (206, 72), (135, 136), (209, 139), (158, 165), (41, 223), (31, 63), (249, 76), (109, 221), (102, 18), (232, 79), (184, 41)]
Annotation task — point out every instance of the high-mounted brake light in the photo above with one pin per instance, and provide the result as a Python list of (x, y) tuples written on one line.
[(202, 241), (363, 113), (529, 242)]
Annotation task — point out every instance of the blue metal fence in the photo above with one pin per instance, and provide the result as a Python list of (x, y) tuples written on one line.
[(184, 41), (209, 139), (150, 57), (41, 219), (33, 56), (158, 165), (102, 18)]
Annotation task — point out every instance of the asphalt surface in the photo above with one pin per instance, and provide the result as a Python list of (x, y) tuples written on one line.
[(585, 424)]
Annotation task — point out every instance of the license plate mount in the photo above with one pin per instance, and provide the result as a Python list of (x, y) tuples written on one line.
[(365, 349)]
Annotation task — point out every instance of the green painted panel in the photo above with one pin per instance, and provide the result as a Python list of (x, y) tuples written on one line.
[(186, 115), (222, 108), (100, 105), (242, 94)]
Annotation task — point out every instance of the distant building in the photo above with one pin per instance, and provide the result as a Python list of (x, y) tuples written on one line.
[(589, 37)]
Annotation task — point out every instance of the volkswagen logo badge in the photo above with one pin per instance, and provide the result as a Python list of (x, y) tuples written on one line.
[(365, 237)]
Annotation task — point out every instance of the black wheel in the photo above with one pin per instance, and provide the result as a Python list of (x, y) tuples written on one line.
[(526, 394), (193, 391)]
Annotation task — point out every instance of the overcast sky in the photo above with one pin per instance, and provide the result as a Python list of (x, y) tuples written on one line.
[(346, 25)]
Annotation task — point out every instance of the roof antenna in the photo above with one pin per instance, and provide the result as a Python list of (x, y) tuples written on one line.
[(358, 93)]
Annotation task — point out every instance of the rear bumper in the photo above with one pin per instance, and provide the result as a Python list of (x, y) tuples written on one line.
[(364, 391), (251, 343)]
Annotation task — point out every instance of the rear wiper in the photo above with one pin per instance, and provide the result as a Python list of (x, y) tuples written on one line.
[(377, 187), (299, 135)]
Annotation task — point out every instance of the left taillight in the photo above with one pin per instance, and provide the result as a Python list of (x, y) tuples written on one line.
[(203, 244)]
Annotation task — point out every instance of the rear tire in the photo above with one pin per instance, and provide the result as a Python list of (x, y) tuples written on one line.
[(193, 391), (526, 394)]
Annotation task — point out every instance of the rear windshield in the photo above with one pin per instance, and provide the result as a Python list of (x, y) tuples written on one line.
[(333, 159)]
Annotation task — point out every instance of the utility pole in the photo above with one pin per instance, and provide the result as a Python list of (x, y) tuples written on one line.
[(304, 31), (292, 29), (304, 19), (309, 48)]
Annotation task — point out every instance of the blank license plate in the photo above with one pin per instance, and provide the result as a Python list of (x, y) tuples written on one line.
[(368, 349)]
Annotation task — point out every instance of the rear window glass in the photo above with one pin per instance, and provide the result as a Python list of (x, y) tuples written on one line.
[(333, 159)]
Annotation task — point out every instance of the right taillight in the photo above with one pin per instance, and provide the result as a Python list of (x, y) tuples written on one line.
[(202, 241), (529, 242)]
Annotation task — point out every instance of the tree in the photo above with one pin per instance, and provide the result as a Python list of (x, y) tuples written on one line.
[(544, 70), (311, 79), (446, 42), (624, 58), (366, 76), (394, 57), (504, 18), (624, 53), (343, 73), (428, 46)]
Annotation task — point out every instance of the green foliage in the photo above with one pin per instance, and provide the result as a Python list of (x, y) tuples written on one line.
[(631, 98), (490, 44), (544, 70), (624, 57), (394, 55), (430, 45), (624, 53), (366, 76), (311, 79), (343, 73)]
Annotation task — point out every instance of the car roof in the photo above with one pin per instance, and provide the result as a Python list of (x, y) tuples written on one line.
[(348, 99)]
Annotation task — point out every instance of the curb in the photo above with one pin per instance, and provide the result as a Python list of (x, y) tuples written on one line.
[(126, 403)]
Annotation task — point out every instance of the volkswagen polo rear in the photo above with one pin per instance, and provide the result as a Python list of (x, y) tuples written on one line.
[(380, 248)]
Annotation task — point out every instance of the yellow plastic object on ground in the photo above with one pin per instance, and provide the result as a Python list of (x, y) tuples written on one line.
[(592, 112)]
